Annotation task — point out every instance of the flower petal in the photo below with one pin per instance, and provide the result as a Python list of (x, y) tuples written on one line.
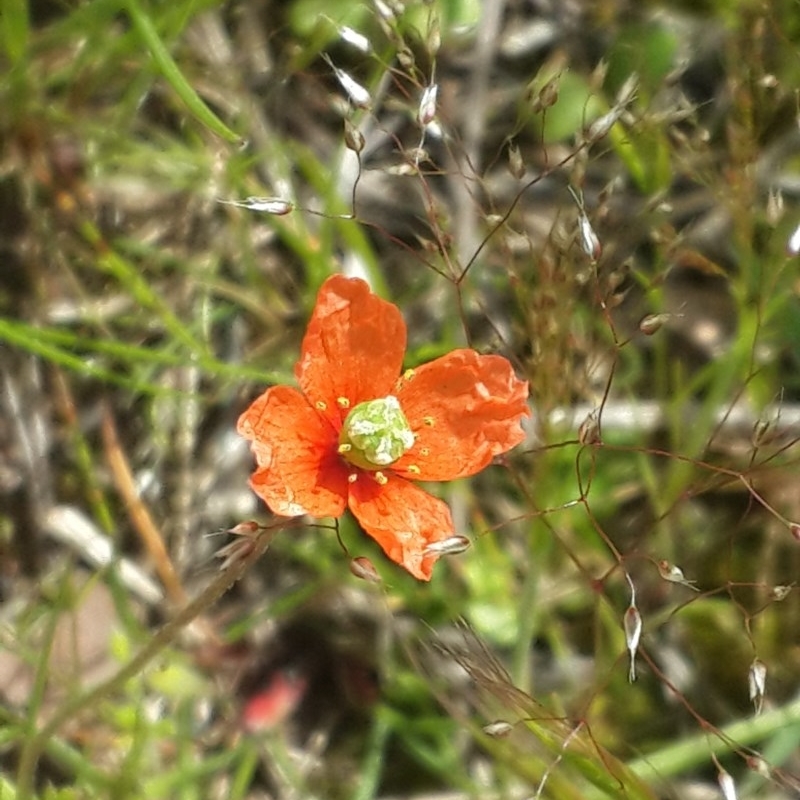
[(403, 519), (299, 470), (353, 347), (464, 408)]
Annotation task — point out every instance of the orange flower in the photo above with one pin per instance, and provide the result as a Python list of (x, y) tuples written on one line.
[(359, 432)]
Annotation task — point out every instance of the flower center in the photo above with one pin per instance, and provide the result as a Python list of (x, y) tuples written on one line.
[(375, 434)]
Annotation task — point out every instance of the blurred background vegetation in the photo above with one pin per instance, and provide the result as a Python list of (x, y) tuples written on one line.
[(604, 192)]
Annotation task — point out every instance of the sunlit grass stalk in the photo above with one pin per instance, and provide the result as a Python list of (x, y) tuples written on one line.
[(173, 75), (372, 764), (696, 751), (249, 758), (58, 346)]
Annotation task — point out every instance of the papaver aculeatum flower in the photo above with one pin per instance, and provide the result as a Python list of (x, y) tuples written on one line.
[(359, 432)]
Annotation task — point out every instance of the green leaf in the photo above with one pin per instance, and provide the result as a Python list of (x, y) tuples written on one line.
[(645, 151), (647, 49), (573, 110)]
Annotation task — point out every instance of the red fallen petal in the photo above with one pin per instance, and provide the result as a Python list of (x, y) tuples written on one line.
[(271, 706), (353, 347), (299, 470), (403, 519), (464, 409)]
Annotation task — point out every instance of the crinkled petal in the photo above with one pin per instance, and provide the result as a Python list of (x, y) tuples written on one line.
[(299, 470), (353, 347), (464, 409), (403, 519)]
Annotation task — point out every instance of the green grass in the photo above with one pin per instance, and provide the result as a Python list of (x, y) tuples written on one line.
[(137, 299)]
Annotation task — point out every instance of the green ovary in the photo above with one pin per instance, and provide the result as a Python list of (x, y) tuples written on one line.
[(375, 434)]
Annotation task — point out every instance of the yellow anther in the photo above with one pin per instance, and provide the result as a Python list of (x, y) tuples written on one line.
[(344, 448), (408, 374), (424, 451), (381, 479), (413, 469), (352, 477), (429, 421), (342, 402), (321, 405)]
